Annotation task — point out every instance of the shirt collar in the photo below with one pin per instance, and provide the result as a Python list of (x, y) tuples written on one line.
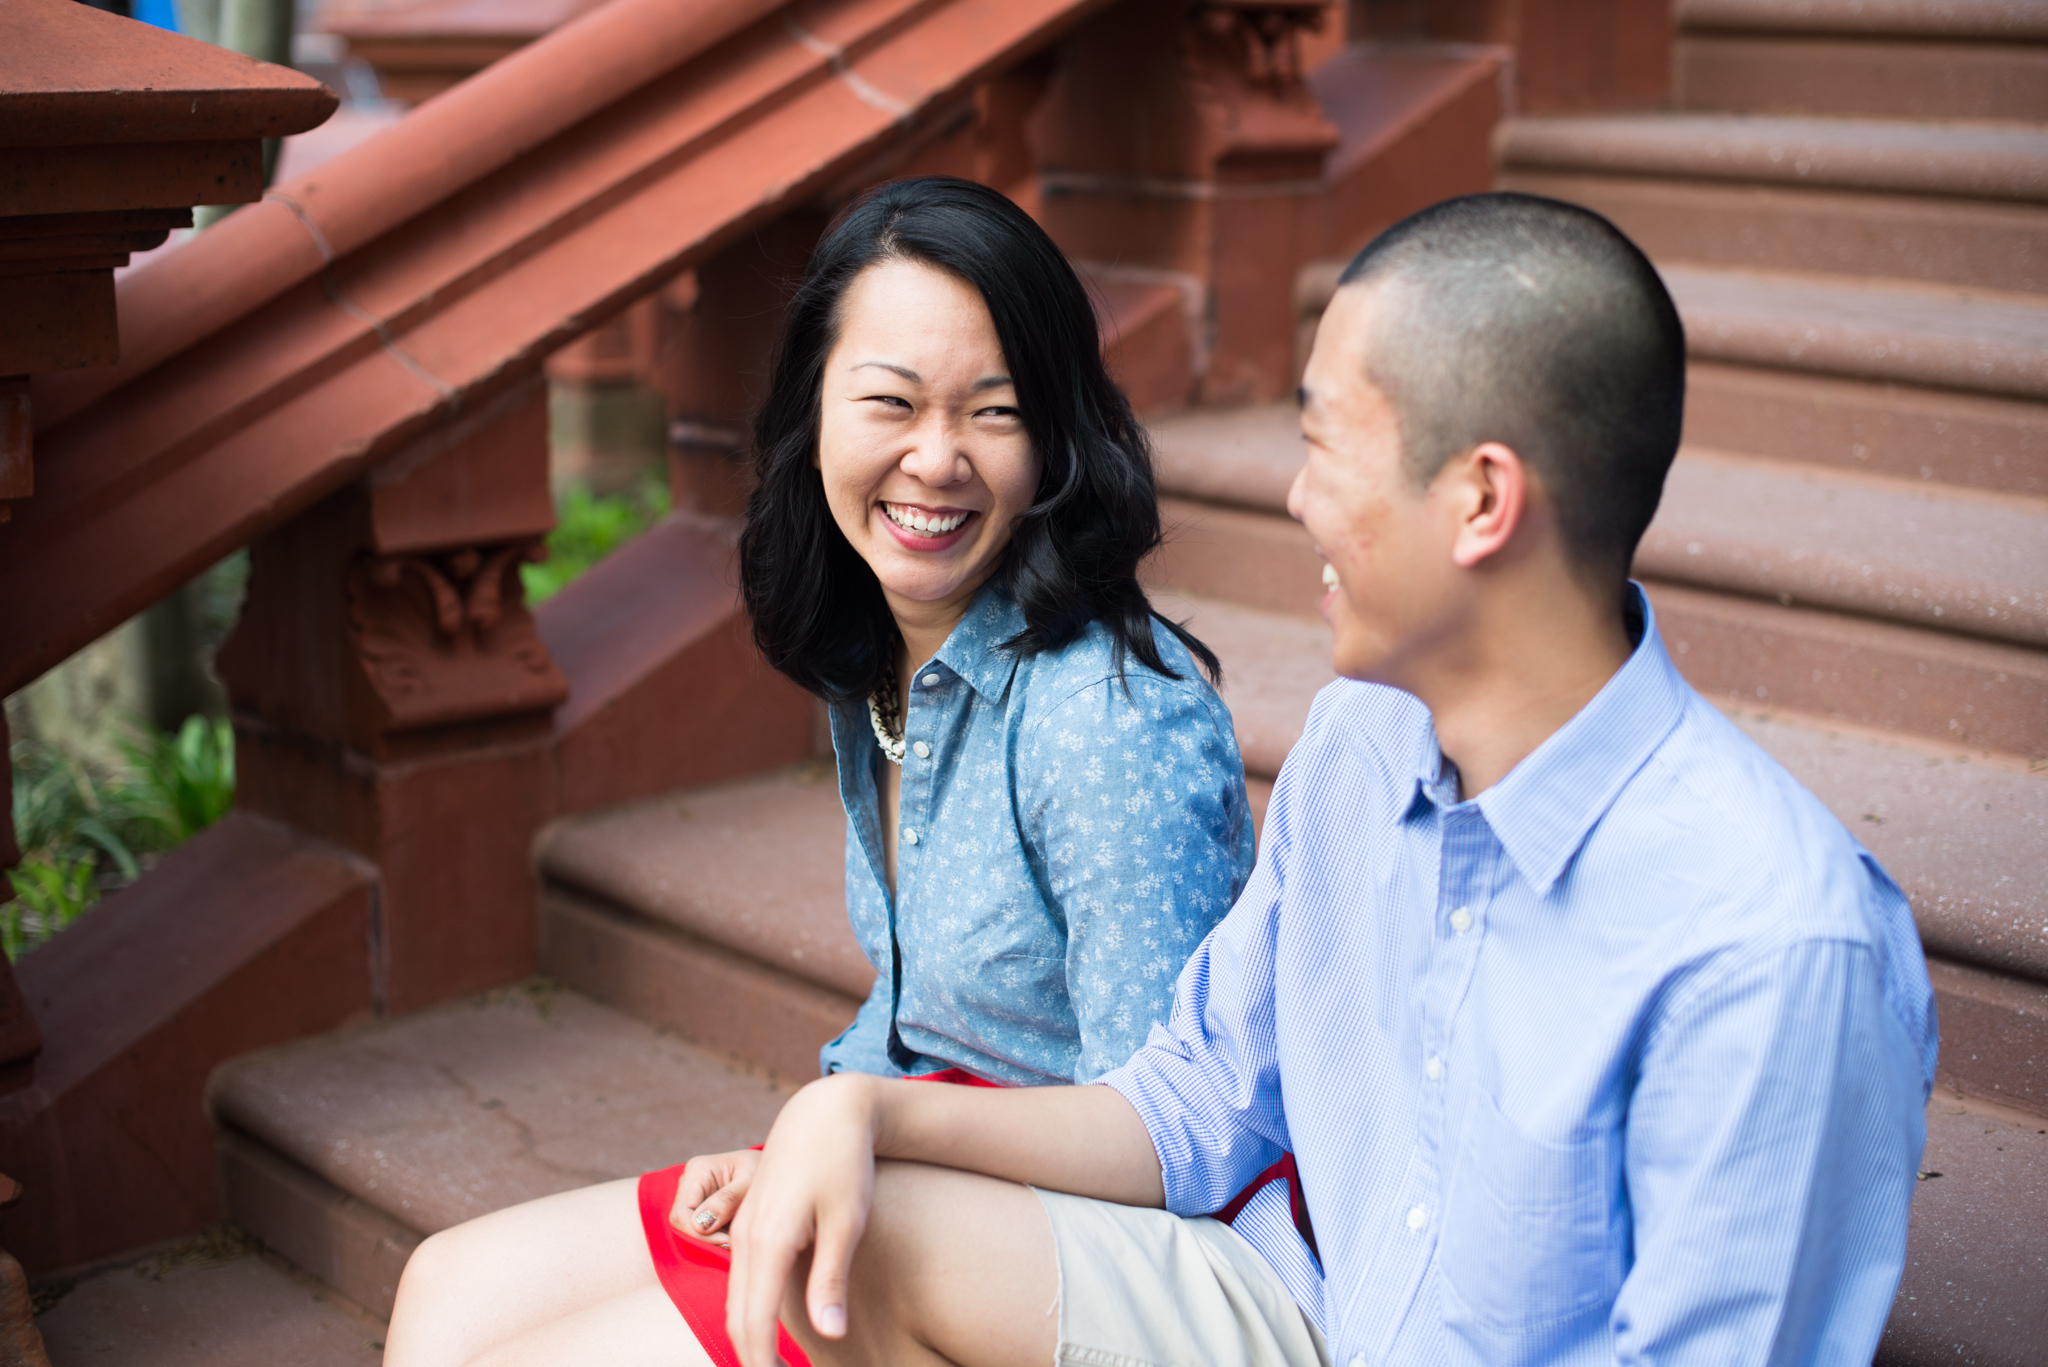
[(974, 650), (1548, 804)]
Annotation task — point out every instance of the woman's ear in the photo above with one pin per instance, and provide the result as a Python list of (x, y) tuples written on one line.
[(1491, 490)]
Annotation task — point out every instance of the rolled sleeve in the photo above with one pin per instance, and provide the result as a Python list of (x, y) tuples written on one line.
[(1207, 1083)]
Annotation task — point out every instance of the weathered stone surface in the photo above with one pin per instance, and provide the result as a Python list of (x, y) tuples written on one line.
[(461, 1110), (185, 1310)]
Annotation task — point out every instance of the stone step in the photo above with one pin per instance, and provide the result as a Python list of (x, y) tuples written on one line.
[(1969, 440), (1906, 551), (1977, 1257), (216, 1300), (2016, 21), (1764, 572), (342, 1152), (1952, 204), (1817, 72)]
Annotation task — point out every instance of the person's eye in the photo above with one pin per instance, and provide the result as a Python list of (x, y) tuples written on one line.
[(998, 411), (887, 401)]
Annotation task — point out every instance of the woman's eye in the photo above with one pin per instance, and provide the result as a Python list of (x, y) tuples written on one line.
[(889, 400), (997, 413)]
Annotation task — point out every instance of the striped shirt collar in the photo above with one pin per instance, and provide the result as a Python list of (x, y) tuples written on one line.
[(1547, 805)]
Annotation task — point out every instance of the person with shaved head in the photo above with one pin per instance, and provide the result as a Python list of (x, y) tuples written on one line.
[(1585, 1033)]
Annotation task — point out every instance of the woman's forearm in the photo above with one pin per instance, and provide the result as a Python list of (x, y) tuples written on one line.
[(1087, 1141)]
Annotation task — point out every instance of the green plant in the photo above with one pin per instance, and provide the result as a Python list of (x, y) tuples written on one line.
[(590, 527), (179, 785), (83, 832)]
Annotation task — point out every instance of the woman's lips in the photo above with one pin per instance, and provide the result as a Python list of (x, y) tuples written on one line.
[(899, 517)]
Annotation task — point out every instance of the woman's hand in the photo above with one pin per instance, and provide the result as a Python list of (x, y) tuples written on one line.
[(817, 1180), (710, 1193)]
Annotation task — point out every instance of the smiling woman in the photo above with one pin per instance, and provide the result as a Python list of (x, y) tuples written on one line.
[(1045, 803)]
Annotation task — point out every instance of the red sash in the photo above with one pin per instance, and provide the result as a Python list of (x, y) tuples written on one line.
[(695, 1272)]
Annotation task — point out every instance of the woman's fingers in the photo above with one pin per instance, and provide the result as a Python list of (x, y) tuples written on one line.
[(710, 1192), (715, 1212), (831, 1266), (760, 1269)]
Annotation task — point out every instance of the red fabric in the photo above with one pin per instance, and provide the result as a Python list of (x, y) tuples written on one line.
[(695, 1273)]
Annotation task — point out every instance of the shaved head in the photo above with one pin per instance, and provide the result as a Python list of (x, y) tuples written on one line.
[(1538, 325)]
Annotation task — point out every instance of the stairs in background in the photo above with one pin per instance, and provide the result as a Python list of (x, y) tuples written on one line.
[(1852, 558)]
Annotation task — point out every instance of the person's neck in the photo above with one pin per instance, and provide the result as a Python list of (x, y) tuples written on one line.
[(924, 627), (1529, 663)]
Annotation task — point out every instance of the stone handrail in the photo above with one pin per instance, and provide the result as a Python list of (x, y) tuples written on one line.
[(307, 338)]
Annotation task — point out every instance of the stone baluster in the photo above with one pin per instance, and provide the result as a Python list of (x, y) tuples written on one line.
[(1197, 162), (391, 693)]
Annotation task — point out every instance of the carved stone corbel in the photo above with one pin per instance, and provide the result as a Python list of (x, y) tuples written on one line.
[(446, 638)]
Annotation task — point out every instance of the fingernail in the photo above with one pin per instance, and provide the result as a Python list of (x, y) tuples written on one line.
[(703, 1219), (832, 1320)]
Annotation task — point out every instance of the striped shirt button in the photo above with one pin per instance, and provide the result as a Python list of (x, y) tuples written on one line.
[(1461, 920), (1417, 1218), (1435, 1067)]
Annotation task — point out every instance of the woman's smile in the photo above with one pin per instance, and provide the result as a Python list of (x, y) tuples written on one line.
[(925, 529)]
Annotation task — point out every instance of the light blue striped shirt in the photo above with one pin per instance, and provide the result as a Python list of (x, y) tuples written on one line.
[(1622, 1060)]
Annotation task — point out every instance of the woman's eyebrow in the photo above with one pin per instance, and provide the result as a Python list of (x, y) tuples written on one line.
[(905, 371), (992, 382)]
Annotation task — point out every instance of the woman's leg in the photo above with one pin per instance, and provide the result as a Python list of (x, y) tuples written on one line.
[(504, 1275), (638, 1329)]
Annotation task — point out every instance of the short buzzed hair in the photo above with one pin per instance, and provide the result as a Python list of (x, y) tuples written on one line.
[(1536, 324)]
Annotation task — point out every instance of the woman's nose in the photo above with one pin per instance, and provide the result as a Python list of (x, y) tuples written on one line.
[(937, 458)]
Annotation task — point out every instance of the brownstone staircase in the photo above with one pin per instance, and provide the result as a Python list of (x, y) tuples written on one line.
[(1852, 558)]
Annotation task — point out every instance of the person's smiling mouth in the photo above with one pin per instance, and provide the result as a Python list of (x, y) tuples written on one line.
[(929, 524)]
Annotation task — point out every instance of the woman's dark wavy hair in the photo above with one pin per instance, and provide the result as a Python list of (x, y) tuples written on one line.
[(818, 611)]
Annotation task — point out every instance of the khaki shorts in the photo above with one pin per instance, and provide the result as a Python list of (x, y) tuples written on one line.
[(1144, 1288)]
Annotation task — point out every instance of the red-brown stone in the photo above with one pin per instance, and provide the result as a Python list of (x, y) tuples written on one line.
[(246, 936)]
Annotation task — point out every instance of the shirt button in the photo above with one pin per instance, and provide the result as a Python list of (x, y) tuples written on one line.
[(1461, 920), (1417, 1218), (1358, 1361), (1435, 1067), (910, 835), (930, 681), (921, 750)]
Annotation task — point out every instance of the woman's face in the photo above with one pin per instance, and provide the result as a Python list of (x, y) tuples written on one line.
[(925, 461)]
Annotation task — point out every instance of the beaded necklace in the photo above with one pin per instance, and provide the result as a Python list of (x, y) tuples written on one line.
[(882, 716)]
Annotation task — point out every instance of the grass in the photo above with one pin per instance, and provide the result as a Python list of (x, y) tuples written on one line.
[(592, 526), (85, 832)]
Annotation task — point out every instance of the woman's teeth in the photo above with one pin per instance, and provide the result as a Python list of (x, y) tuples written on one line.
[(1329, 575), (925, 524)]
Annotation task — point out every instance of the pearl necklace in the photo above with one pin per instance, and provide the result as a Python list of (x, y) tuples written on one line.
[(892, 745)]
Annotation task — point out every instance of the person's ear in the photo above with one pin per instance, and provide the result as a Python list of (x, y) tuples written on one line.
[(1492, 493)]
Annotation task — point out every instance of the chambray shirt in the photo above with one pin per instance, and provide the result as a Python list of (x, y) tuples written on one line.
[(1623, 1060), (1067, 839)]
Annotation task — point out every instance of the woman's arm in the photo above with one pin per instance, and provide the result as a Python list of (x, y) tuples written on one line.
[(1133, 805)]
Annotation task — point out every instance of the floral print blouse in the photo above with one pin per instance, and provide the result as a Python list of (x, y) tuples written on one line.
[(1067, 839)]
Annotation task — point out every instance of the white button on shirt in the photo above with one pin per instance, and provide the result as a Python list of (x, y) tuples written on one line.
[(921, 750), (910, 835), (930, 681), (1435, 1067), (1461, 920), (1417, 1218)]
